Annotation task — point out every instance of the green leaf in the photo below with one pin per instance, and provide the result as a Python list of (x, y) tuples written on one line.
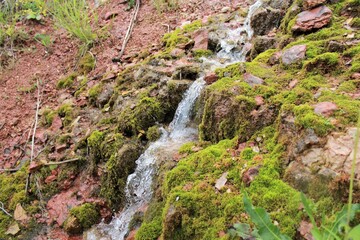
[(341, 219), (266, 229), (354, 233), (242, 230)]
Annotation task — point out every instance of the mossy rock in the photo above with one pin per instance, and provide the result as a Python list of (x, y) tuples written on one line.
[(87, 63), (324, 63), (68, 81), (82, 217)]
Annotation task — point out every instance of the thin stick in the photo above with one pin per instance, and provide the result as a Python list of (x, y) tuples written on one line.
[(33, 134), (3, 209), (62, 162), (130, 28)]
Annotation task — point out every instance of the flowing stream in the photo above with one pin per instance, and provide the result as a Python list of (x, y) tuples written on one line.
[(139, 184)]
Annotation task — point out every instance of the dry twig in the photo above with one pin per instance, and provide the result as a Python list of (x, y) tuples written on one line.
[(3, 209), (130, 28)]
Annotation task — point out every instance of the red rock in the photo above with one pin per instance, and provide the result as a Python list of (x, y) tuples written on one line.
[(294, 54), (293, 83), (355, 76), (201, 38), (56, 124), (252, 80), (177, 52), (34, 166), (309, 4), (110, 15), (259, 100), (131, 235), (312, 19), (325, 108), (50, 179), (305, 230), (61, 148), (275, 58), (249, 175), (211, 78)]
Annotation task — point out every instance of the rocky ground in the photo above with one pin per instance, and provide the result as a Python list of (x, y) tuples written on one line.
[(282, 123)]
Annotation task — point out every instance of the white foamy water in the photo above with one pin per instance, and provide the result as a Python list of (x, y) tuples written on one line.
[(139, 184)]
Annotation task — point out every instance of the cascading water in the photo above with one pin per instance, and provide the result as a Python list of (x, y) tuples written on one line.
[(139, 184)]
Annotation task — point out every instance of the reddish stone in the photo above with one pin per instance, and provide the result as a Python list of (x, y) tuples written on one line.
[(252, 80), (34, 166), (61, 148), (50, 179), (313, 19), (259, 100), (177, 52), (275, 58), (131, 235), (110, 15), (309, 4), (211, 78), (305, 230), (201, 38), (355, 76), (56, 124), (293, 83), (325, 108), (250, 175), (294, 54)]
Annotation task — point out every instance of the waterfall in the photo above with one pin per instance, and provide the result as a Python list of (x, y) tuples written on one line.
[(139, 184)]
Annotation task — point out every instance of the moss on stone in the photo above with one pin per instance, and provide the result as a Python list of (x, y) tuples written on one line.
[(48, 116), (149, 231), (67, 81), (305, 117), (94, 93), (347, 86), (87, 63), (324, 63), (153, 133), (66, 112), (87, 214), (202, 53)]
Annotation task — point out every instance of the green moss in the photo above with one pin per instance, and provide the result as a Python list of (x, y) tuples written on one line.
[(67, 81), (87, 63), (94, 92), (247, 154), (186, 148), (259, 69), (313, 82), (348, 108), (353, 51), (336, 30), (66, 112), (232, 71), (193, 26), (87, 214), (202, 53), (323, 63), (347, 86), (149, 231), (94, 143), (306, 118), (12, 192), (48, 116), (153, 133), (174, 38), (265, 56)]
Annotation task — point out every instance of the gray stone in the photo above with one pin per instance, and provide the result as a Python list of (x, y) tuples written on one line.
[(294, 54), (265, 19)]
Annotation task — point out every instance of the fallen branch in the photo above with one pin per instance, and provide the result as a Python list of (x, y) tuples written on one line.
[(62, 162), (3, 209), (33, 134), (168, 27), (130, 28)]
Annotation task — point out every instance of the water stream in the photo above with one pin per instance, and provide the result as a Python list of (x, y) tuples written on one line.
[(139, 184)]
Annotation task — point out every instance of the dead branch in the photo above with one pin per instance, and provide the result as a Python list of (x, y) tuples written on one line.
[(38, 101), (168, 27), (62, 162), (3, 209), (130, 28)]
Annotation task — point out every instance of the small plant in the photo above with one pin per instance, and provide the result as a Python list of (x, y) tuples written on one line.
[(163, 5), (73, 16), (44, 39)]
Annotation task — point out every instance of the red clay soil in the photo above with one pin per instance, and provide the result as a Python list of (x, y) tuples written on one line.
[(32, 63)]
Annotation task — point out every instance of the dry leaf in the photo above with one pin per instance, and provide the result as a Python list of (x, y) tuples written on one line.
[(20, 214), (13, 229)]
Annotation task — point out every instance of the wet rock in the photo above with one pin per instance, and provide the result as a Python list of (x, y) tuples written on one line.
[(261, 44), (335, 46), (210, 78), (220, 183), (252, 80), (250, 174), (294, 54), (308, 139), (313, 19), (265, 19), (72, 225), (309, 4), (131, 235), (298, 176), (172, 221), (325, 108), (190, 72)]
